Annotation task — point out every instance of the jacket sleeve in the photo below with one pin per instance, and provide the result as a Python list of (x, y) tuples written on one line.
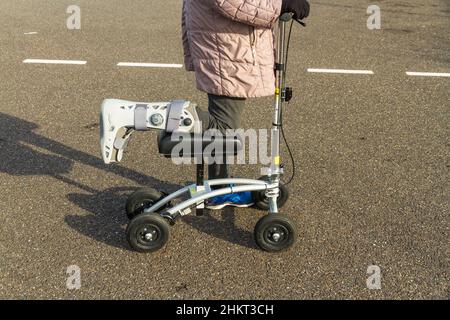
[(258, 13), (188, 63)]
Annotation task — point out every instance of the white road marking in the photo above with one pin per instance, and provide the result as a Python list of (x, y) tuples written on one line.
[(45, 61), (32, 32), (149, 65), (343, 71), (428, 74), (170, 65)]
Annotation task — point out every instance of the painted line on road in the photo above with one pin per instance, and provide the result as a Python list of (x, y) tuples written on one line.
[(149, 65), (32, 32), (172, 65), (45, 61), (427, 74), (342, 71)]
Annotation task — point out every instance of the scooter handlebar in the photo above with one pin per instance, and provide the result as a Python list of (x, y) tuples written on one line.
[(287, 16)]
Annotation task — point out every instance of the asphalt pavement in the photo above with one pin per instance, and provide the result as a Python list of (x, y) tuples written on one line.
[(371, 153)]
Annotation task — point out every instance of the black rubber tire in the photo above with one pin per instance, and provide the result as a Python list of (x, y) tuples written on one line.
[(261, 202), (144, 224), (278, 223), (141, 199)]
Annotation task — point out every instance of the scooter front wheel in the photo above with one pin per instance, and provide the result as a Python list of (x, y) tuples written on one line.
[(261, 202), (275, 232)]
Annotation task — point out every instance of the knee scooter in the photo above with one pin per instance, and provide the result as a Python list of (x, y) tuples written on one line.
[(151, 212)]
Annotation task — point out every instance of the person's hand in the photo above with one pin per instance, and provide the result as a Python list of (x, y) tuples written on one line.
[(300, 8)]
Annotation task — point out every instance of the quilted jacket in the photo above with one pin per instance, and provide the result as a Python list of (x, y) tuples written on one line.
[(230, 45)]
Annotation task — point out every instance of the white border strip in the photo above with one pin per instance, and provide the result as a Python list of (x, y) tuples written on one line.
[(427, 74), (149, 65), (343, 71), (45, 61)]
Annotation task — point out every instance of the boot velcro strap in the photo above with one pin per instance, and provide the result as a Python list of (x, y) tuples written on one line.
[(174, 116), (140, 117)]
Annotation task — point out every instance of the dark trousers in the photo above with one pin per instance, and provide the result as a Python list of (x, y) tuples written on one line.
[(223, 113)]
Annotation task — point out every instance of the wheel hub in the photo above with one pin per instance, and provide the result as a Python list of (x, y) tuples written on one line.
[(148, 234), (276, 234)]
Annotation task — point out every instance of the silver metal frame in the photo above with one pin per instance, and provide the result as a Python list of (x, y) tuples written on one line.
[(198, 194)]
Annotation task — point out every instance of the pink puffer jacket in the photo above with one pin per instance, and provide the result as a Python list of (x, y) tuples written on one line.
[(230, 45)]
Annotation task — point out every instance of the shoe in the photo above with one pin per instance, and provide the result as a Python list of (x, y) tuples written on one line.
[(239, 199)]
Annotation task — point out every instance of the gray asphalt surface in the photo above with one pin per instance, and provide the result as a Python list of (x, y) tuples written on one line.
[(371, 154)]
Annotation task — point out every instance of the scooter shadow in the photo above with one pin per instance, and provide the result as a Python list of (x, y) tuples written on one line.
[(224, 229), (107, 220), (27, 153)]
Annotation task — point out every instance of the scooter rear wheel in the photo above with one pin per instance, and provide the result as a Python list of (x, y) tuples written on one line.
[(148, 232), (142, 199), (275, 232)]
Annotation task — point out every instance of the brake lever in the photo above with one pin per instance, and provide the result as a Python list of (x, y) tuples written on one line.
[(301, 22)]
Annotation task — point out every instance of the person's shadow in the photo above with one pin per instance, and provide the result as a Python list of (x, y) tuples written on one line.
[(26, 153)]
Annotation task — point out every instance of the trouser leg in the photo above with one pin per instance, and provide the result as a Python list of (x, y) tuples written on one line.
[(223, 113)]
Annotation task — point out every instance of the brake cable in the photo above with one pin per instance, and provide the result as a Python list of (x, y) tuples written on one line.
[(291, 156)]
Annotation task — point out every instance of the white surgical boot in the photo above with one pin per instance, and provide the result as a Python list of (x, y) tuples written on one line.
[(120, 118)]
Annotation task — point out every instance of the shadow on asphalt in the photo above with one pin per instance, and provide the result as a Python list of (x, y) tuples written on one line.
[(224, 229), (107, 220), (26, 153)]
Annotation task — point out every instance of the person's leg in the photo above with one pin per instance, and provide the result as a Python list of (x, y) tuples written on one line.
[(223, 113), (227, 114)]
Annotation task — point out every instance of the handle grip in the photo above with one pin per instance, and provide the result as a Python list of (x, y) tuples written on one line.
[(287, 16)]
